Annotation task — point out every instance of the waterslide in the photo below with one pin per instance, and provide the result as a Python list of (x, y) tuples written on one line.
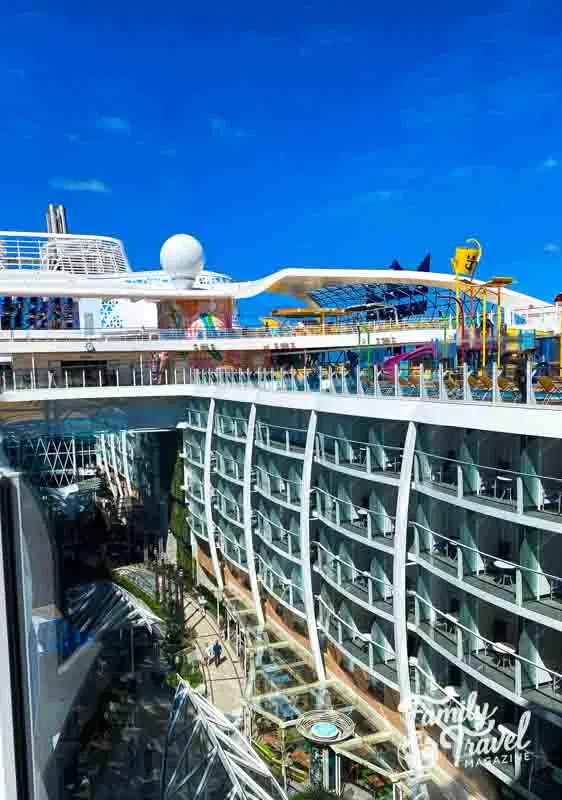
[(411, 355)]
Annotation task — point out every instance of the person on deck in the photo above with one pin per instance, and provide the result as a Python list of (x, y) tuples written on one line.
[(217, 652)]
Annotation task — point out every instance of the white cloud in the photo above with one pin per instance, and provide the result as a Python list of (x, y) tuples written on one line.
[(552, 248), (222, 127), (550, 163), (74, 185), (113, 124)]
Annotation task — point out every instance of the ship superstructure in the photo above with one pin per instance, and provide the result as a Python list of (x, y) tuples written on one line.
[(374, 474)]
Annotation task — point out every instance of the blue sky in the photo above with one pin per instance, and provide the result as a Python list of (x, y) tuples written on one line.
[(293, 133)]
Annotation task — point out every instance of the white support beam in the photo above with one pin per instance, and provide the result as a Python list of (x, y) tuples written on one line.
[(306, 566), (105, 463), (208, 493), (399, 605), (116, 477), (126, 465), (247, 514)]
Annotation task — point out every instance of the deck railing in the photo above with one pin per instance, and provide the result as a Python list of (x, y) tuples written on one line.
[(503, 577), (411, 384)]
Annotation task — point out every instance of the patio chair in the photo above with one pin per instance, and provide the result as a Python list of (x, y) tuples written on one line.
[(508, 390), (552, 390), (409, 387), (453, 386), (481, 387)]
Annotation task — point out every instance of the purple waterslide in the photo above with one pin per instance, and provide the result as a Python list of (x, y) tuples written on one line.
[(412, 355)]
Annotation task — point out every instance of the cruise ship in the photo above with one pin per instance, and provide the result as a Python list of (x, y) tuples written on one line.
[(371, 481)]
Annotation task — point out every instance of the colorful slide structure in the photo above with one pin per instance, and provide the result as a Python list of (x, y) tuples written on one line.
[(411, 355)]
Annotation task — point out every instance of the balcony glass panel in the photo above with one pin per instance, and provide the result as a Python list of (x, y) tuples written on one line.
[(283, 539), (288, 440), (357, 519), (278, 487), (361, 456)]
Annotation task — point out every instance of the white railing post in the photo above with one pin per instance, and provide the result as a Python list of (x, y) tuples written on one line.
[(519, 491), (4, 381), (396, 383), (531, 400), (14, 380), (422, 383), (359, 386), (66, 379), (518, 678), (465, 385), (495, 388), (518, 587), (442, 388), (150, 376), (83, 378), (293, 384), (458, 632), (330, 379), (117, 376)]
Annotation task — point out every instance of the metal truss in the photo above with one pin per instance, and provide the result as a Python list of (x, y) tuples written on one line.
[(52, 461), (207, 756)]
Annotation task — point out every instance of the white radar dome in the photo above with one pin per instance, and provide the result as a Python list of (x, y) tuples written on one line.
[(181, 256)]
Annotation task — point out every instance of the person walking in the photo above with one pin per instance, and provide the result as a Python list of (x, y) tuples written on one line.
[(217, 652)]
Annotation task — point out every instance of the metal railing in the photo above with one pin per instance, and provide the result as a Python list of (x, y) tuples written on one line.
[(194, 455), (231, 549), (272, 533), (347, 576), (494, 570), (281, 438), (326, 380), (334, 626), (109, 260), (278, 487), (63, 253), (228, 508), (280, 586), (234, 427), (499, 660), (195, 492), (345, 514), (228, 467), (523, 491), (197, 419), (364, 456)]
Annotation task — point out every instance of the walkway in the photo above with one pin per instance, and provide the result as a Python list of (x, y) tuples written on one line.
[(225, 682)]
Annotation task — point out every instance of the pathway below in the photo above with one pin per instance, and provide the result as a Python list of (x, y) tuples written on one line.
[(224, 683)]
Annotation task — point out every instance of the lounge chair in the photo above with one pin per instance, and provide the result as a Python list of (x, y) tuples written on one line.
[(552, 390), (508, 390)]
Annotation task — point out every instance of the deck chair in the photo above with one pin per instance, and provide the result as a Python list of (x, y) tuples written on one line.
[(551, 389), (508, 390), (481, 387)]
